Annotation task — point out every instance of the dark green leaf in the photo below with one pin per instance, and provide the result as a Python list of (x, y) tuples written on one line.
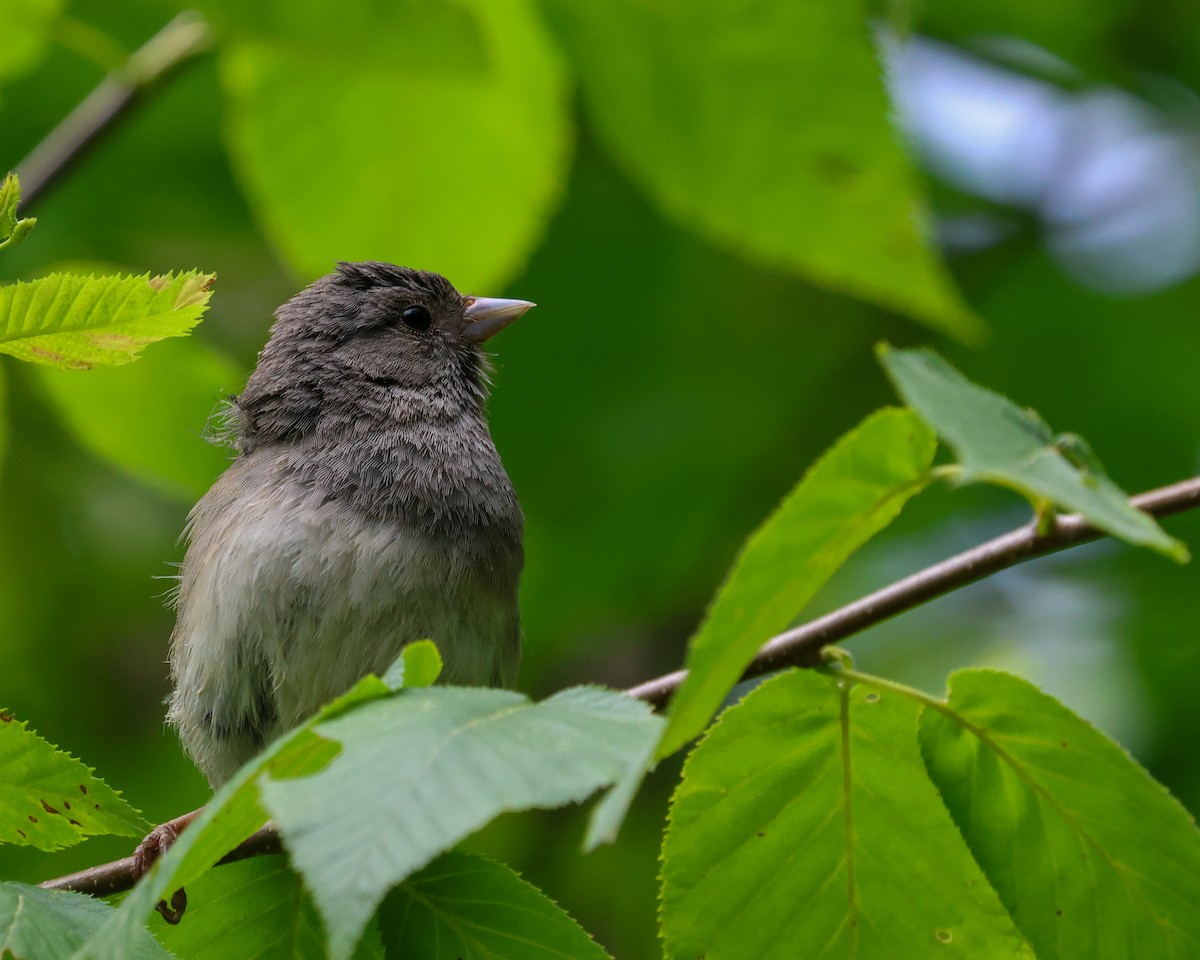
[(1091, 857), (999, 442), (37, 924), (463, 907), (855, 490)]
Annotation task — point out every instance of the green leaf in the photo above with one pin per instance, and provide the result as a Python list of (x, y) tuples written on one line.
[(765, 126), (12, 230), (418, 665), (855, 490), (251, 909), (50, 800), (1092, 858), (998, 442), (148, 418), (428, 766), (463, 907), (805, 826), (37, 924), (77, 322), (443, 137)]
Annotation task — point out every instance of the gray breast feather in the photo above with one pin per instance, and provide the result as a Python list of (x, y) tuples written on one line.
[(286, 598)]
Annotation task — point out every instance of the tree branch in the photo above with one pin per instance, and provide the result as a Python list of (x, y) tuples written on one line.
[(797, 647), (184, 37)]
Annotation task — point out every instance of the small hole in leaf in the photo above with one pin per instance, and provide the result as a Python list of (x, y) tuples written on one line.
[(872, 698), (943, 936)]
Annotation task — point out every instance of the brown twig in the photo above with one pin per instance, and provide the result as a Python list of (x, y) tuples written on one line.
[(184, 37), (797, 647)]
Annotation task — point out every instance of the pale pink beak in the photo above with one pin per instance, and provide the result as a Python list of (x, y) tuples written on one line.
[(487, 316)]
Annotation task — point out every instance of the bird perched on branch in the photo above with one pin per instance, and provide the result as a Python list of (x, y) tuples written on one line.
[(367, 508)]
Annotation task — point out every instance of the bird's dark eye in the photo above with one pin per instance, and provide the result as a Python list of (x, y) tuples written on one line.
[(416, 316)]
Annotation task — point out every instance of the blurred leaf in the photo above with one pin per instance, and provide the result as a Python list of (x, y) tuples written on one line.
[(148, 417), (1089, 855), (998, 442), (418, 665), (855, 490), (26, 34), (12, 230), (766, 126), (463, 907), (37, 924), (254, 908), (805, 826), (442, 138), (76, 322), (428, 766), (50, 800)]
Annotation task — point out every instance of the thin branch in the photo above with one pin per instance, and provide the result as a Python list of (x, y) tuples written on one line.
[(801, 645), (798, 647), (180, 40)]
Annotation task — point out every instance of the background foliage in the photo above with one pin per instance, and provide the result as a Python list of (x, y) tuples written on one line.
[(710, 291)]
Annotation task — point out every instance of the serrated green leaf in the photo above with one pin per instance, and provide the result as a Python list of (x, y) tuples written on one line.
[(50, 800), (443, 136), (252, 910), (855, 490), (148, 418), (77, 322), (12, 230), (418, 665), (805, 826), (1092, 858), (464, 907), (428, 766), (37, 924), (766, 127), (998, 442)]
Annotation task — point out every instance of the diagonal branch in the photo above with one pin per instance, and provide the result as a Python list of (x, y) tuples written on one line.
[(180, 40), (796, 647)]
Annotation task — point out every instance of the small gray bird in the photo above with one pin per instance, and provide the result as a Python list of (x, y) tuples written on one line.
[(367, 508)]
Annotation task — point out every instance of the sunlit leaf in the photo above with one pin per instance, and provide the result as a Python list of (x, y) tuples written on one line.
[(12, 229), (1093, 858), (442, 139), (805, 826), (428, 766), (999, 442), (463, 907), (77, 322), (50, 800), (766, 127), (855, 490), (26, 34)]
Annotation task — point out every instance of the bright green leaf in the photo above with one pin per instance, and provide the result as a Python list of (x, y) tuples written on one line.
[(855, 490), (463, 907), (999, 442), (805, 826), (418, 665), (37, 924), (1092, 857), (766, 127), (50, 800), (12, 230), (250, 910), (77, 322), (443, 134), (428, 766), (149, 417)]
